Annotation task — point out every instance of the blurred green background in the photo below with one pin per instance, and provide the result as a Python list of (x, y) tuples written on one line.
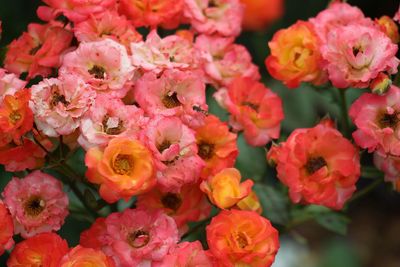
[(373, 237)]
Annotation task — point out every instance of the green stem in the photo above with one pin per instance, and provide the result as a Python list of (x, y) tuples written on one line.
[(344, 112), (370, 172), (197, 227), (366, 190), (396, 80)]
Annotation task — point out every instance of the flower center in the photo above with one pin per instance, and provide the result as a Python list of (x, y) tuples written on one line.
[(171, 100), (171, 201), (123, 164), (112, 125), (34, 206), (357, 50), (241, 240), (388, 120), (15, 117), (163, 146), (206, 150), (314, 164), (97, 71), (251, 105), (138, 239), (34, 50)]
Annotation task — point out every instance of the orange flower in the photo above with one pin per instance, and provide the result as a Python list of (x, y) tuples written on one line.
[(295, 56), (216, 146), (224, 189), (259, 13), (242, 238), (251, 202), (16, 117), (389, 27), (125, 168), (44, 250), (86, 257)]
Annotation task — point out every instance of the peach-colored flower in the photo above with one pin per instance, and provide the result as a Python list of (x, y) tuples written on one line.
[(222, 17), (224, 188), (123, 169), (6, 229), (86, 257), (377, 120), (37, 203), (389, 27), (242, 238), (356, 54), (390, 165), (222, 60), (37, 51), (254, 108), (318, 165), (216, 146), (59, 104), (187, 254), (9, 83), (153, 13), (188, 205), (295, 56), (44, 250), (103, 64), (258, 14), (108, 24), (110, 118)]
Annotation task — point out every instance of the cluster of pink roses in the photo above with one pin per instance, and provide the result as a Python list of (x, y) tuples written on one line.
[(137, 105)]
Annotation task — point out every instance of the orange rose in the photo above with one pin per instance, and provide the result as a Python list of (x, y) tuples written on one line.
[(242, 238), (389, 27), (295, 56), (86, 257), (259, 13), (125, 168), (224, 189)]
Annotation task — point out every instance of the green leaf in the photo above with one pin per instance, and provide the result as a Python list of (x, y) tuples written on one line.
[(275, 203), (334, 222)]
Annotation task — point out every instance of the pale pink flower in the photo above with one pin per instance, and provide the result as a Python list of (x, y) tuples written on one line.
[(108, 24), (9, 83), (397, 15), (174, 147), (137, 237), (104, 65), (188, 254), (356, 54), (37, 51), (174, 93), (157, 54), (222, 60), (377, 118), (107, 119), (74, 10), (336, 15), (36, 203), (390, 165), (223, 17), (59, 104)]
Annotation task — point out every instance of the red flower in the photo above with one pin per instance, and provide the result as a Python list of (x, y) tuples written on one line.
[(6, 229)]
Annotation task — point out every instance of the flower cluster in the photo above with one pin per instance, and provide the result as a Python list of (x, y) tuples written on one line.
[(99, 77)]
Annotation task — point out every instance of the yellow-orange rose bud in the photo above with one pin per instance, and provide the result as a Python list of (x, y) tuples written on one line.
[(251, 203), (224, 189), (389, 27)]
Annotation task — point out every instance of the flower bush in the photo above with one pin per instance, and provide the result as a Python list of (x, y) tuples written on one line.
[(133, 116)]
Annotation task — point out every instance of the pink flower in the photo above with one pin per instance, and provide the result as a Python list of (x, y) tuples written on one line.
[(397, 16), (74, 10), (390, 165), (174, 93), (104, 65), (9, 83), (36, 203), (157, 54), (336, 15), (108, 24), (107, 119), (190, 204), (37, 51), (174, 147), (222, 60), (137, 237), (356, 54), (59, 104), (377, 119), (223, 17), (187, 254), (254, 108)]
